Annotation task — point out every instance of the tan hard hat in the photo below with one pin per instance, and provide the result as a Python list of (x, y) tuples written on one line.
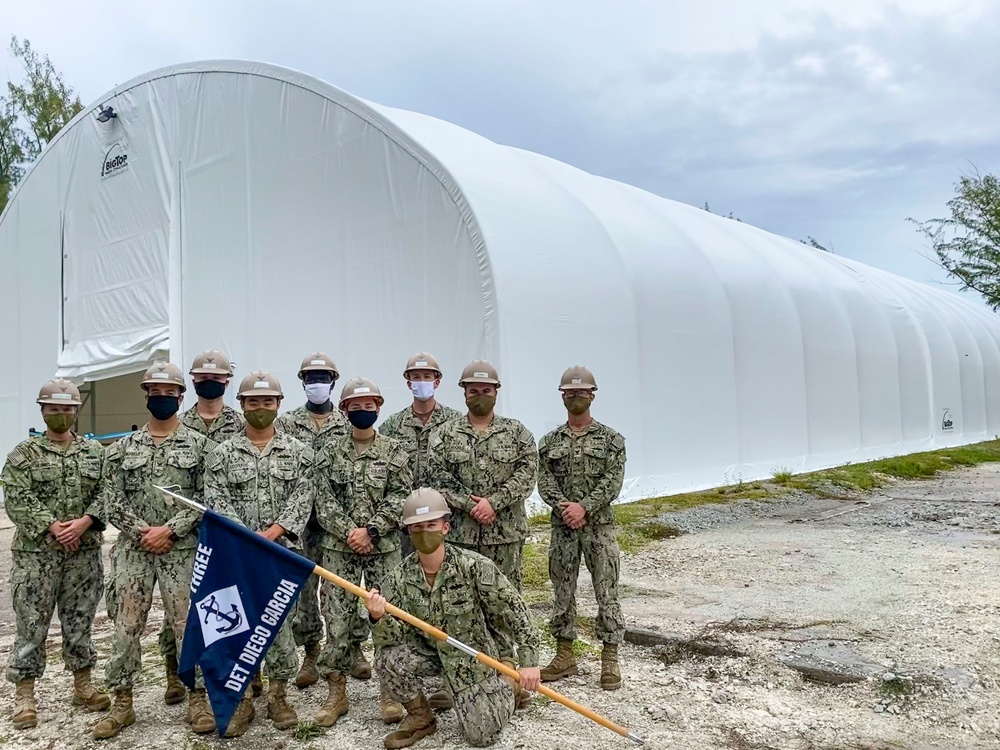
[(577, 378), (424, 504), (59, 391), (260, 383), (318, 361), (422, 361), (163, 373), (211, 362), (360, 388), (479, 371)]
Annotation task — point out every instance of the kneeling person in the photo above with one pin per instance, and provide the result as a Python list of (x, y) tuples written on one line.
[(467, 596), (362, 480), (263, 479)]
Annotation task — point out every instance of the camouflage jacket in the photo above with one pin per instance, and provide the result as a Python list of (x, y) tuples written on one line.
[(586, 468), (301, 426), (499, 464), (43, 483), (260, 488), (471, 600), (415, 437), (228, 424), (355, 491), (135, 463)]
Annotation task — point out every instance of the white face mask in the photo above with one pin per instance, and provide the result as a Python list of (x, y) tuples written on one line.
[(422, 389), (318, 393)]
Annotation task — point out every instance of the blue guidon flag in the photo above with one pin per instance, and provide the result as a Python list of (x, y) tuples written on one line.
[(242, 589)]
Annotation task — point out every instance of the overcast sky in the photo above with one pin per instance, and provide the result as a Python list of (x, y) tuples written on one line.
[(831, 118)]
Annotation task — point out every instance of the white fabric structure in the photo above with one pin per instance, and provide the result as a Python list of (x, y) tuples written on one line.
[(260, 210)]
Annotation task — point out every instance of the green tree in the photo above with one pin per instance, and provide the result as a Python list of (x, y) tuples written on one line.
[(32, 112), (967, 243)]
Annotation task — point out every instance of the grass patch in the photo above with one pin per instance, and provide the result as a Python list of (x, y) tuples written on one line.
[(782, 476), (308, 730), (535, 565), (897, 687)]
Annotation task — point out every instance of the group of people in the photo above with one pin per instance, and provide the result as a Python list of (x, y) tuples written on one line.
[(446, 488)]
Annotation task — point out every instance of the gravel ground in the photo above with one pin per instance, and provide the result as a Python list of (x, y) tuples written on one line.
[(908, 579)]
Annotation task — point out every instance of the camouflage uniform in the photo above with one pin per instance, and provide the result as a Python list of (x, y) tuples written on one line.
[(307, 623), (260, 488), (228, 423), (499, 464), (469, 601), (131, 467), (44, 483), (352, 492), (586, 468), (415, 437)]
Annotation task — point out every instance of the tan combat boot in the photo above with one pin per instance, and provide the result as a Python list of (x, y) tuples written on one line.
[(336, 702), (308, 674), (611, 675), (279, 710), (419, 722), (25, 710), (86, 695), (199, 713), (392, 712), (176, 690), (361, 670), (244, 714), (441, 700), (121, 716), (563, 664)]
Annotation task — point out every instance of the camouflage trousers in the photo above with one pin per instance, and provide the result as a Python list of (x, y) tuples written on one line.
[(281, 662), (506, 556), (346, 627), (307, 623), (482, 710), (136, 573), (41, 582), (599, 548), (167, 639)]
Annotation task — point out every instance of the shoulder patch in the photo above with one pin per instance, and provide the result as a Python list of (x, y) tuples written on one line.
[(487, 573), (17, 457), (618, 442), (214, 460)]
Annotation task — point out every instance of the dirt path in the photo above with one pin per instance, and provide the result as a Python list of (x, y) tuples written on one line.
[(908, 582)]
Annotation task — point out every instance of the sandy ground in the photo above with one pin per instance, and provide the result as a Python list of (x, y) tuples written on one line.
[(908, 579)]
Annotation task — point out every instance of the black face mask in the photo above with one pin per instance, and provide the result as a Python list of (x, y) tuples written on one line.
[(362, 419), (210, 389), (163, 407)]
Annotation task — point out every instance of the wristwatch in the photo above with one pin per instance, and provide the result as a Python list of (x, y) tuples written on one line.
[(372, 531)]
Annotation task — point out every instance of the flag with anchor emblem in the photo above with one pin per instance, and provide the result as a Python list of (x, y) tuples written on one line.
[(242, 589)]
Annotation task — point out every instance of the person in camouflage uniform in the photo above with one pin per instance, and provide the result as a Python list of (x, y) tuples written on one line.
[(52, 494), (412, 426), (316, 423), (361, 483), (210, 373), (263, 479), (157, 542), (581, 470), (485, 466), (466, 596)]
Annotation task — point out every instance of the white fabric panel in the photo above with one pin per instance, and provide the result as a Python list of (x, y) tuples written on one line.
[(271, 214), (116, 229)]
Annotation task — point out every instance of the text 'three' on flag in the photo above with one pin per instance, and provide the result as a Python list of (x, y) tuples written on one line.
[(242, 589)]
